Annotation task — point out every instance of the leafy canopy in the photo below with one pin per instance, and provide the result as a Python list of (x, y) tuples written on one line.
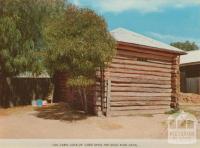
[(80, 81), (78, 42), (21, 38), (187, 45)]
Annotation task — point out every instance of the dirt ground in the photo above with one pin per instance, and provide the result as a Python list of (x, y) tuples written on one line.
[(58, 121)]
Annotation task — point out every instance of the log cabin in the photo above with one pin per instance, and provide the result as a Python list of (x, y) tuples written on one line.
[(143, 78), (190, 72)]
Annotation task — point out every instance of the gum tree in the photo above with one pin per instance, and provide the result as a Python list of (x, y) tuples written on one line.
[(186, 46), (78, 43), (21, 40)]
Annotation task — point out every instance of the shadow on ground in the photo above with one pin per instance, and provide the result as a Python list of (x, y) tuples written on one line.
[(60, 112)]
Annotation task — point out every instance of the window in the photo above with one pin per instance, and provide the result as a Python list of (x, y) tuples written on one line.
[(142, 59)]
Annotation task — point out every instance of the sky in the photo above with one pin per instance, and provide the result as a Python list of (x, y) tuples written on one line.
[(164, 20)]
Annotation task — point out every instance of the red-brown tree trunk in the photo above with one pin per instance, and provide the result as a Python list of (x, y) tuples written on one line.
[(62, 92)]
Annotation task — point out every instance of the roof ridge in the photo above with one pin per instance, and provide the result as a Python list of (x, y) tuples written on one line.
[(125, 35)]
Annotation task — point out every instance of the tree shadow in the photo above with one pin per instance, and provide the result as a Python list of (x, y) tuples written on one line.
[(61, 112)]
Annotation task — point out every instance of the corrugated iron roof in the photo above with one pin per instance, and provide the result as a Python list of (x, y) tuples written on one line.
[(124, 35), (191, 57)]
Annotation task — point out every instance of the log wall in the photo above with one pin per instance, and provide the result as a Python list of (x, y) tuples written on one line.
[(139, 81)]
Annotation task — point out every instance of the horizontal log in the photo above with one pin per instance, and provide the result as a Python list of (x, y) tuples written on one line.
[(124, 108), (140, 85), (140, 76), (139, 89), (143, 68), (140, 63), (125, 58), (134, 89), (138, 112), (149, 60), (141, 55), (160, 62), (138, 94), (140, 103), (139, 98), (139, 81), (145, 51), (98, 90), (140, 72)]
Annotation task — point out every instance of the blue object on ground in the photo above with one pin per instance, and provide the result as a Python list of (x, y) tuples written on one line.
[(34, 103), (39, 102)]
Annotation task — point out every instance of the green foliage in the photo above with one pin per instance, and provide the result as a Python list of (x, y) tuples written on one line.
[(78, 42), (186, 46), (21, 34), (80, 81), (172, 111)]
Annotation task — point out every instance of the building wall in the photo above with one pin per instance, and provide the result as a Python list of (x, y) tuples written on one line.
[(23, 90), (190, 78), (139, 81)]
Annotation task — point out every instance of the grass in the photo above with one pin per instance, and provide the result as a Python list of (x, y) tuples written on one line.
[(172, 111)]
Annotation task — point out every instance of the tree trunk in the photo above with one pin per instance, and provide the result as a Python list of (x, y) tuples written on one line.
[(60, 87), (81, 96), (51, 91), (85, 100), (55, 92), (6, 92), (1, 92)]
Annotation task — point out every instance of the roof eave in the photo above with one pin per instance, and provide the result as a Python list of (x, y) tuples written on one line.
[(152, 48), (190, 64)]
